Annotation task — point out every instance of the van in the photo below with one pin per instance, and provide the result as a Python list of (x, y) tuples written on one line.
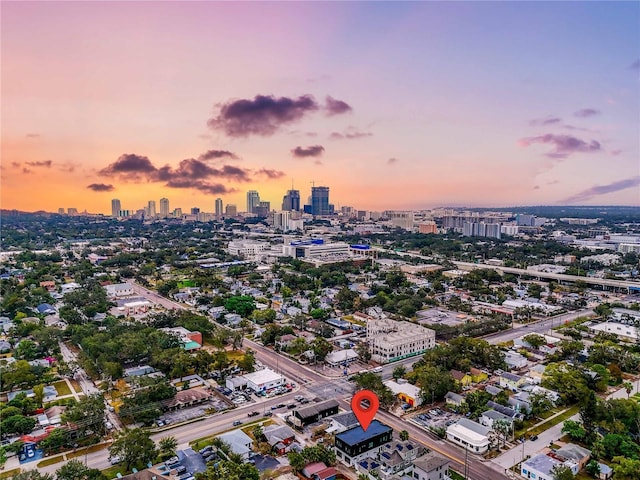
[(377, 370)]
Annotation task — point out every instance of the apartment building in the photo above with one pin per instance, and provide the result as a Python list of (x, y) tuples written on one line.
[(389, 340)]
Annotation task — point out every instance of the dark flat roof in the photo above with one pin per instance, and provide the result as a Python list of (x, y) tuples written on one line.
[(357, 434)]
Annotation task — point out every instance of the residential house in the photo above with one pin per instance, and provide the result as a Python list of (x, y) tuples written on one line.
[(536, 373), (454, 399), (493, 390), (431, 467), (478, 375), (119, 290), (319, 471), (285, 341), (356, 444), (575, 453), (462, 378), (279, 437), (341, 357), (46, 309), (395, 458), (188, 398), (540, 467), (508, 411), (514, 360), (511, 381), (50, 285), (239, 442), (406, 392), (489, 417), (342, 422)]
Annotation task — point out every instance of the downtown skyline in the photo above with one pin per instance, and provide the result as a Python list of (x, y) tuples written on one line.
[(391, 105)]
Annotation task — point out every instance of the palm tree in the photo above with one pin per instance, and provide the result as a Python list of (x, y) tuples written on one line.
[(168, 446), (628, 387)]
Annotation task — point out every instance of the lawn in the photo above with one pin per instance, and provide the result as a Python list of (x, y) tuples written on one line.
[(554, 421), (10, 473), (81, 451), (62, 388), (51, 460), (76, 386)]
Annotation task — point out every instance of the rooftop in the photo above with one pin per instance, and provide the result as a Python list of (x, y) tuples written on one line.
[(357, 434), (430, 462)]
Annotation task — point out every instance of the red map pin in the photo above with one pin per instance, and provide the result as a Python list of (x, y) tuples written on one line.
[(365, 414)]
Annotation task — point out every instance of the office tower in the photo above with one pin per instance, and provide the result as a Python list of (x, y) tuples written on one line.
[(230, 210), (195, 210), (291, 201), (164, 207), (177, 213), (253, 200), (402, 220), (320, 201), (282, 220), (115, 208), (218, 208), (61, 211), (263, 209), (151, 209), (72, 211)]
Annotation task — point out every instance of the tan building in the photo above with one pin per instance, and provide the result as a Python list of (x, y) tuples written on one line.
[(389, 340)]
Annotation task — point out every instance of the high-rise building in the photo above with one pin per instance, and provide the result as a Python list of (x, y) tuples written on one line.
[(164, 207), (115, 208), (72, 211), (230, 210), (177, 213), (320, 201), (253, 200), (151, 209), (282, 220), (195, 210), (218, 208), (263, 209), (61, 211), (402, 220), (291, 201)]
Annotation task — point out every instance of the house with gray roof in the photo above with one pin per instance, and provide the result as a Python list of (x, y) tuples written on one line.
[(431, 467), (489, 417), (238, 441)]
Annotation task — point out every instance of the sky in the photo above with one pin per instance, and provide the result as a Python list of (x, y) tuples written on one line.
[(393, 105)]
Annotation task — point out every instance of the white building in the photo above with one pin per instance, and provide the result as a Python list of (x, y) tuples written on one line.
[(402, 220), (389, 340), (339, 357), (470, 435), (405, 391), (624, 332), (540, 467), (246, 248), (119, 290), (262, 380), (431, 467)]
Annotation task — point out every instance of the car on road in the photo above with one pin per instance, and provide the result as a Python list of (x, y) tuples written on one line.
[(253, 414), (268, 414), (533, 438), (236, 423), (291, 405), (115, 460)]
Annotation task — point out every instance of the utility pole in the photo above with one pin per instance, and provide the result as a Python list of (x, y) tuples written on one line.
[(466, 456)]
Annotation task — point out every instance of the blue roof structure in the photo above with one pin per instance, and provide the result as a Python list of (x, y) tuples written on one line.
[(357, 434)]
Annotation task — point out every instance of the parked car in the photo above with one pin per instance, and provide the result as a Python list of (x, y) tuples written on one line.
[(109, 425), (291, 405), (115, 460), (206, 450)]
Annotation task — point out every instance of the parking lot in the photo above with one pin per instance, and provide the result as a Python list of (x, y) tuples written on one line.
[(436, 418)]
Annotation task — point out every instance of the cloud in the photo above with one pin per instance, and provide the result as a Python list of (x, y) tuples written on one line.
[(536, 187), (635, 65), (351, 133), (189, 173), (312, 151), (44, 163), (68, 167), (598, 190), (271, 174), (26, 171), (563, 145), (215, 154), (544, 121), (264, 115), (15, 164), (32, 135), (336, 107), (392, 160), (101, 187), (586, 112), (130, 166)]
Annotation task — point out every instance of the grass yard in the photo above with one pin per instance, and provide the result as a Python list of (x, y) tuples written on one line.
[(81, 451), (76, 386), (10, 473), (554, 421), (62, 388), (112, 472), (51, 460)]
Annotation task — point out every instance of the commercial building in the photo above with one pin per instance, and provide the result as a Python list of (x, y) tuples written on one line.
[(356, 444), (282, 220), (308, 414), (428, 227), (119, 290), (263, 380), (151, 209), (624, 332), (403, 220), (246, 248), (470, 435), (230, 210), (190, 340), (116, 206), (291, 201), (218, 208), (253, 200), (164, 207), (320, 201), (390, 341), (481, 229)]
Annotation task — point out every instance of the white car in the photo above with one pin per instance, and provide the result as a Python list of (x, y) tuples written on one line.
[(115, 460), (109, 425)]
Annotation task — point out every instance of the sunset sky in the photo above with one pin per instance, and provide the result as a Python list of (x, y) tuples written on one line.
[(392, 105)]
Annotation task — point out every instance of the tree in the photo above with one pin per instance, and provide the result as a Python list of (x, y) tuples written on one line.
[(628, 387), (404, 435), (363, 352), (373, 382), (626, 468), (502, 427), (243, 305), (167, 446), (261, 317), (134, 447), (76, 470), (399, 372), (593, 468), (574, 430), (535, 340), (18, 424), (562, 472), (321, 348), (248, 361), (229, 470), (32, 475)]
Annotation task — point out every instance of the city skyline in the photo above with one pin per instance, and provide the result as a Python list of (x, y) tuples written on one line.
[(391, 105)]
